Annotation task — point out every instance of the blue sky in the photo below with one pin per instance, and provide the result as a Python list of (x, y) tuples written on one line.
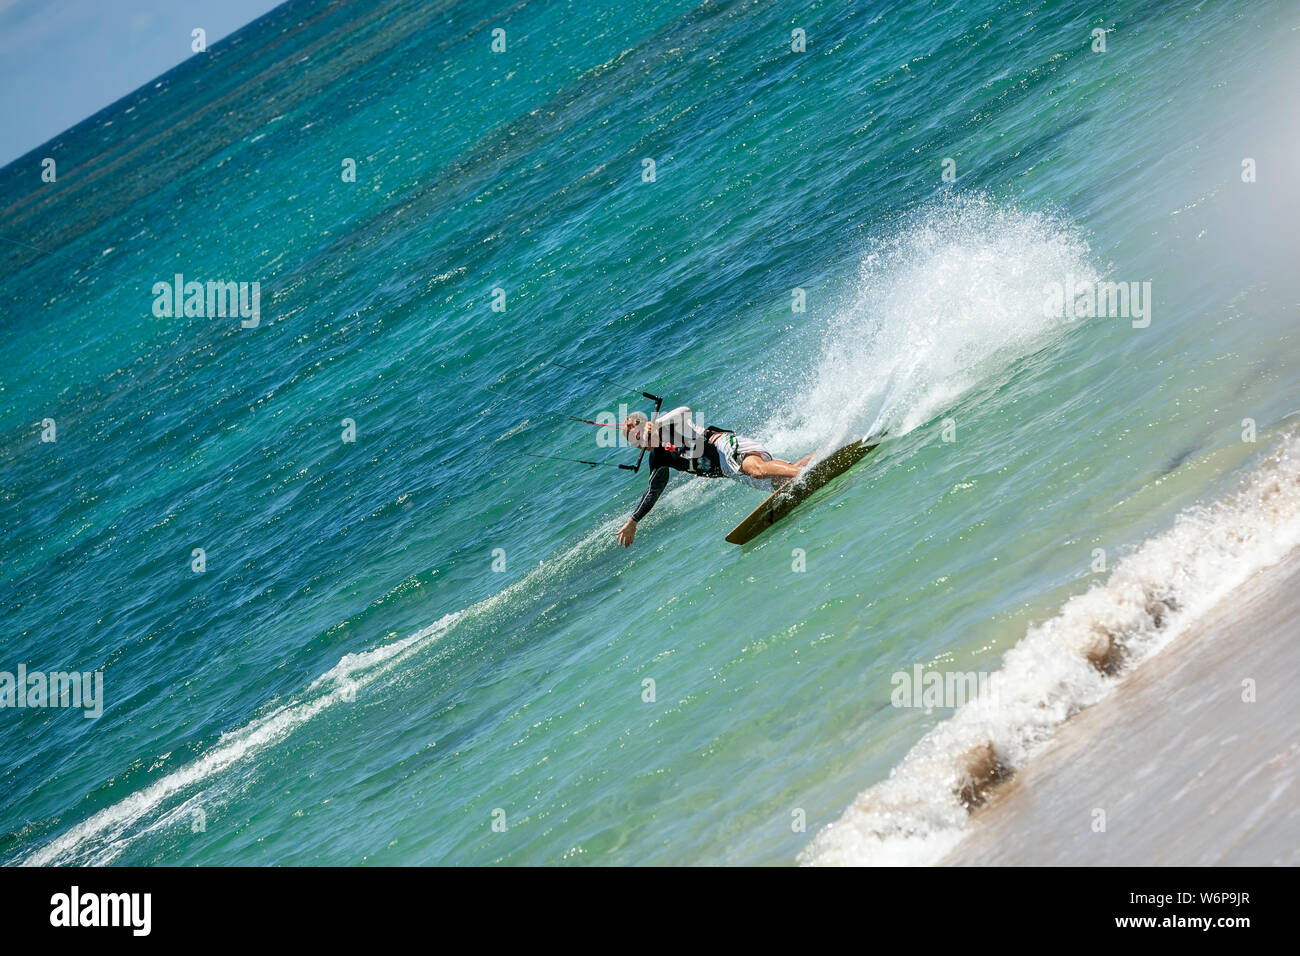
[(63, 60)]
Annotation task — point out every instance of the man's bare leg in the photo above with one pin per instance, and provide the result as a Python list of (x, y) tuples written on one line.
[(756, 467)]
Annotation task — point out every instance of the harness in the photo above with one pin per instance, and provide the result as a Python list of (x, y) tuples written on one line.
[(711, 432), (710, 451)]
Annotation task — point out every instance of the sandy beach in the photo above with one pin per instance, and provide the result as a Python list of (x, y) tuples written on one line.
[(1185, 770)]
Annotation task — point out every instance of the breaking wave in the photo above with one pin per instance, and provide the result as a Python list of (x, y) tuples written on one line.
[(1066, 664)]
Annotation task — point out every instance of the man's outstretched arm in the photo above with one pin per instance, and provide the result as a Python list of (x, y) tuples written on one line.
[(658, 481)]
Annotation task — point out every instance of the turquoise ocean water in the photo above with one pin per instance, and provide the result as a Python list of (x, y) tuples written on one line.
[(399, 640)]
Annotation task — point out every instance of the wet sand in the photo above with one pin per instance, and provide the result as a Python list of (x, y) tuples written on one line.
[(1186, 772)]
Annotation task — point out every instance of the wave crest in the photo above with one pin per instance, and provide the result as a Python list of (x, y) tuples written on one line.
[(1065, 664)]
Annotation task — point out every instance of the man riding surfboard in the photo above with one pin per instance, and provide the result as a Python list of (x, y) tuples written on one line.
[(675, 442)]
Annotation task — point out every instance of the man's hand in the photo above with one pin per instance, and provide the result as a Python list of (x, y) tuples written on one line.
[(627, 532)]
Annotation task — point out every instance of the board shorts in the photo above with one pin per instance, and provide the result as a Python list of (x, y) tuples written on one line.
[(733, 450)]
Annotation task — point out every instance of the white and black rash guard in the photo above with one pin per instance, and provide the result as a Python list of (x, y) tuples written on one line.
[(682, 446)]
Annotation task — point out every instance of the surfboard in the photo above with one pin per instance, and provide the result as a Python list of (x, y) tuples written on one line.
[(798, 489)]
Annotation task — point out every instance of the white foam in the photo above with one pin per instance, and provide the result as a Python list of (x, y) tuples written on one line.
[(100, 838), (945, 302), (916, 815)]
